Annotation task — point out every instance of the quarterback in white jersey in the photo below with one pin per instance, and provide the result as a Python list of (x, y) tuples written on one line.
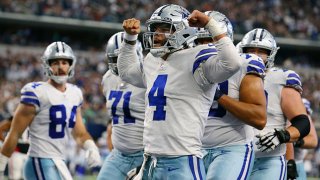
[(126, 105), (283, 88), (239, 104), (51, 110), (180, 83)]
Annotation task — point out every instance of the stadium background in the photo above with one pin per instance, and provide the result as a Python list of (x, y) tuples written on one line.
[(28, 26)]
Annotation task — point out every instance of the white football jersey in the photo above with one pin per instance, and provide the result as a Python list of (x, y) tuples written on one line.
[(126, 105), (179, 93), (55, 117), (223, 128), (274, 82)]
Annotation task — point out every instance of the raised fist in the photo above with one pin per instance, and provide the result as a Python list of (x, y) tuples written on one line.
[(198, 19), (132, 26)]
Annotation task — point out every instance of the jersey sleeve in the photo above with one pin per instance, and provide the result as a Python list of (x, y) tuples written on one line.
[(254, 65), (30, 96), (292, 79)]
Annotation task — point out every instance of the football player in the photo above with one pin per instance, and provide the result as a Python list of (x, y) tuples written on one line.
[(180, 82), (239, 105), (295, 158), (126, 105), (52, 112), (283, 89)]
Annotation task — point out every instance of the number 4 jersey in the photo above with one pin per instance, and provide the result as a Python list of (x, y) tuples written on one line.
[(126, 105), (55, 116), (222, 127)]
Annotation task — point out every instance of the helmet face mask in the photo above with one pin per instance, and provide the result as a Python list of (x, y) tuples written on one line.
[(113, 50), (178, 36), (260, 38), (58, 50)]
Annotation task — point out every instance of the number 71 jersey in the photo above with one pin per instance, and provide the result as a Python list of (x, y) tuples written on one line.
[(55, 117), (126, 105)]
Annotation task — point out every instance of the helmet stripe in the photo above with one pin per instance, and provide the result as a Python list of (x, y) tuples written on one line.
[(160, 12), (255, 34), (261, 35), (57, 47), (62, 43), (116, 41)]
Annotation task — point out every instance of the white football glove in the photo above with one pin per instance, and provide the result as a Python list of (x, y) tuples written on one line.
[(92, 154), (3, 163), (268, 141)]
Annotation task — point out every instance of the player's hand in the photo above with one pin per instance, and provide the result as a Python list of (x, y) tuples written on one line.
[(292, 172), (198, 19), (132, 26), (93, 158), (268, 141)]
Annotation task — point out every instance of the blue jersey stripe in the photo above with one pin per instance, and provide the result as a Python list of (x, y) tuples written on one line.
[(28, 93), (257, 63), (251, 69), (291, 82), (30, 101), (205, 51), (197, 63), (294, 75)]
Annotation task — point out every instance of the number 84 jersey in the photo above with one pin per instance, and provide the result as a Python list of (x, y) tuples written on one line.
[(222, 127), (55, 116)]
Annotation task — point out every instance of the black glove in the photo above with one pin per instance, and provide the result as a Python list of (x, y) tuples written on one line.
[(298, 143), (218, 94), (292, 172)]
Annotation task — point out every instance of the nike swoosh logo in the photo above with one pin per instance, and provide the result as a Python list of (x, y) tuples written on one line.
[(172, 169)]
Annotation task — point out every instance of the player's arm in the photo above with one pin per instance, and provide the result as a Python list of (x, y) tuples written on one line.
[(5, 127), (83, 138), (214, 68), (24, 115), (129, 66), (251, 107), (311, 140), (295, 111)]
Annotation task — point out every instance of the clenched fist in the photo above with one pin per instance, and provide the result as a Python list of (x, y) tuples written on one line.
[(198, 19), (132, 26)]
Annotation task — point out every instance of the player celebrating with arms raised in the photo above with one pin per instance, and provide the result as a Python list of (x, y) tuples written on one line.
[(180, 82)]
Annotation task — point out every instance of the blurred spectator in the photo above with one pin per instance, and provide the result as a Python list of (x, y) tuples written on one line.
[(294, 18)]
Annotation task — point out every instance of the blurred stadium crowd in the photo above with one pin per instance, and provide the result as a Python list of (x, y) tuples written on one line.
[(294, 18), (283, 18)]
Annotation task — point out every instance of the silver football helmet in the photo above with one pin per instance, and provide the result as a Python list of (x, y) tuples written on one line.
[(58, 50), (260, 38), (113, 50), (181, 34), (223, 21)]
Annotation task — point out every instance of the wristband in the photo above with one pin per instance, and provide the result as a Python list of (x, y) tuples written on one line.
[(214, 28)]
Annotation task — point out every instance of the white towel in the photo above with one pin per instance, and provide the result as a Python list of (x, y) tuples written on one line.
[(63, 169)]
